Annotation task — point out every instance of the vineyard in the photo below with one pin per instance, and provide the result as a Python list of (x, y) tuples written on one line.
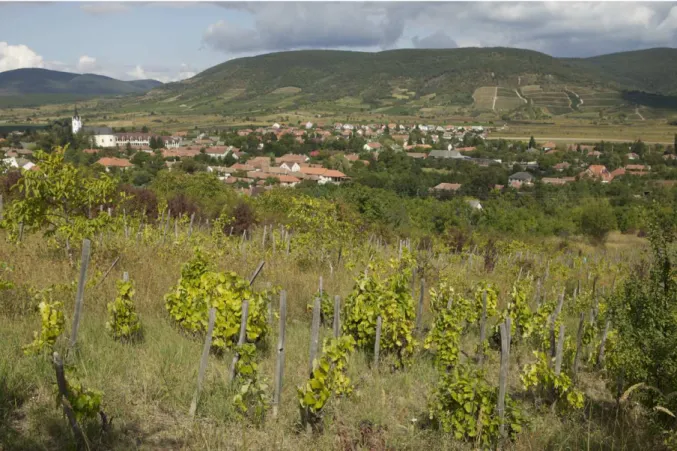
[(124, 330)]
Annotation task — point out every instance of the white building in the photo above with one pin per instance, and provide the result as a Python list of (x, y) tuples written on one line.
[(101, 136), (76, 122)]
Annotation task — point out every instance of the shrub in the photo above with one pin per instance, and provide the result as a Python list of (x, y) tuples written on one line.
[(123, 323)]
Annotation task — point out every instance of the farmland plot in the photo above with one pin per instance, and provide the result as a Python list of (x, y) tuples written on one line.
[(508, 99), (484, 98)]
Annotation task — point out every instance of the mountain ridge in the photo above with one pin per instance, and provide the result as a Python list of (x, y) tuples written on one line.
[(45, 81)]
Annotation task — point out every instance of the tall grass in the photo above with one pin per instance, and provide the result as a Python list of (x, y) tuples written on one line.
[(148, 386)]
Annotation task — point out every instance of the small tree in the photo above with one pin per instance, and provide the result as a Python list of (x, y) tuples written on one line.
[(60, 199), (597, 220), (532, 143)]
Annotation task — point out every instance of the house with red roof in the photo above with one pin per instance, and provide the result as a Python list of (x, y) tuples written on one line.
[(112, 162)]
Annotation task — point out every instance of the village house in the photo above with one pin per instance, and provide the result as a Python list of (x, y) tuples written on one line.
[(219, 152), (519, 179), (598, 172), (18, 163), (101, 136), (373, 146), (449, 187), (557, 181), (261, 163), (446, 154), (417, 155), (561, 166), (324, 175), (181, 152), (112, 162)]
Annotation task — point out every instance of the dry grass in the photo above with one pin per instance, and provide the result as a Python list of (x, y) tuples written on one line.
[(148, 386)]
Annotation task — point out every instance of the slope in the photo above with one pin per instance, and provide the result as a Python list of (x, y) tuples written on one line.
[(44, 81)]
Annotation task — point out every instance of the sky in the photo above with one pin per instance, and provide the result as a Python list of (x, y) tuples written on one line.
[(170, 41)]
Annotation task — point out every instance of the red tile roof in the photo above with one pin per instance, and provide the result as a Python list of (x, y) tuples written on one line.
[(109, 162)]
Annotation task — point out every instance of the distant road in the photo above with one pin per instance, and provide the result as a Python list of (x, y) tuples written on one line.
[(541, 138)]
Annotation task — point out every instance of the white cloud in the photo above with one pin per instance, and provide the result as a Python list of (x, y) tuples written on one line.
[(87, 64), (104, 8), (18, 56), (163, 74)]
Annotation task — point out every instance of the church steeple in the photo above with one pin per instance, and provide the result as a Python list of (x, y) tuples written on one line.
[(76, 122)]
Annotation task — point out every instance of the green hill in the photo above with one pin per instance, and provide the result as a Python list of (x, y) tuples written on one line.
[(48, 82)]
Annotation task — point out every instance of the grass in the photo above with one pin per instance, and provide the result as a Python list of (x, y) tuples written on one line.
[(148, 386)]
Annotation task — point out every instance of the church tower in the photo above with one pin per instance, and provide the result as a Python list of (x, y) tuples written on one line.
[(76, 123)]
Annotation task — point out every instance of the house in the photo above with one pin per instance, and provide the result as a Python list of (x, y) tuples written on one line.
[(219, 152), (261, 163), (474, 204), (595, 153), (133, 139), (242, 167), (557, 181), (597, 171), (632, 156), (101, 136), (291, 158), (418, 146), (548, 145), (466, 149), (309, 125), (417, 155), (288, 180), (373, 146), (112, 162), (453, 187), (290, 167), (618, 172), (446, 154), (323, 175), (562, 166), (19, 163), (181, 152), (636, 169), (518, 179)]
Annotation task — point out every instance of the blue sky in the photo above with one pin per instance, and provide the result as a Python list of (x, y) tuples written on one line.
[(171, 41)]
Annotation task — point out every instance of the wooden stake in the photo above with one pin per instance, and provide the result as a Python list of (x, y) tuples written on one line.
[(125, 276), (241, 340), (256, 272), (600, 355), (2, 208), (279, 370), (66, 405), (560, 351), (337, 316), (203, 362), (263, 239), (503, 375), (377, 342), (419, 311), (483, 327), (558, 310), (190, 227), (80, 296), (579, 342), (107, 272), (315, 332)]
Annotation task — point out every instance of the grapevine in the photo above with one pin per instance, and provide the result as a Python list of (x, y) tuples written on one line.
[(52, 325), (124, 322), (251, 400), (328, 377), (392, 301)]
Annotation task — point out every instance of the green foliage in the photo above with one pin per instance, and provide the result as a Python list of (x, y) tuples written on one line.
[(51, 327), (328, 377), (251, 400), (597, 220), (541, 377), (199, 289), (644, 314), (392, 301), (123, 323), (59, 197), (464, 404), (85, 402)]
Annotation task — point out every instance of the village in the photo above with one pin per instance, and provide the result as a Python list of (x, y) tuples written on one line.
[(249, 168)]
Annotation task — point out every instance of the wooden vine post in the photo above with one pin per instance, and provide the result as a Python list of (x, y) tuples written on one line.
[(419, 310), (203, 362), (279, 369), (337, 316), (315, 332), (483, 329), (80, 296), (377, 342), (242, 338), (579, 343), (503, 375), (65, 404)]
